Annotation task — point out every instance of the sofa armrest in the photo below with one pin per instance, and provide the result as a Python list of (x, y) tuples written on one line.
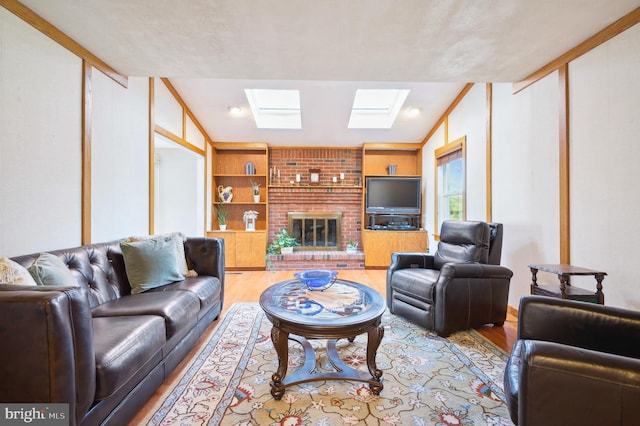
[(586, 325), (48, 353), (573, 385), (206, 257)]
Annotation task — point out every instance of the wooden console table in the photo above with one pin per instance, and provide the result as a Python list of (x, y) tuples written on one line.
[(566, 290)]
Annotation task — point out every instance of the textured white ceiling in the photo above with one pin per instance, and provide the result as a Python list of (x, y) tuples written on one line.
[(327, 49)]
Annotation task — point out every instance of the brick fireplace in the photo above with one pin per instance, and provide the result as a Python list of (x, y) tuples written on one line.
[(343, 197)]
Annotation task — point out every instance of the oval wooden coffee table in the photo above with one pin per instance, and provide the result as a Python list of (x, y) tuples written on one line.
[(345, 310)]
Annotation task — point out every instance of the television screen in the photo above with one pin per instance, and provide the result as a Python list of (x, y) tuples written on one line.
[(393, 195)]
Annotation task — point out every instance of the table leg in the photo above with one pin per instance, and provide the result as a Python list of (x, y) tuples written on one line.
[(599, 293), (564, 282), (534, 280), (374, 337), (280, 341)]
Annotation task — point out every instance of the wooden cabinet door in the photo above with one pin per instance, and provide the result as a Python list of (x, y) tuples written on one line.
[(379, 245), (251, 249), (229, 246)]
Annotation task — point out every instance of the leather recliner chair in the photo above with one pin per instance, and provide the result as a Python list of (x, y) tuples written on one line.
[(460, 287), (574, 363)]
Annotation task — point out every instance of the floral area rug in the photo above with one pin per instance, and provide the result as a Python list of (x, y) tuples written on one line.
[(428, 380)]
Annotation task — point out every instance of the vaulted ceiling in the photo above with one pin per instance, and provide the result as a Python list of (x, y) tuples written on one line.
[(211, 50)]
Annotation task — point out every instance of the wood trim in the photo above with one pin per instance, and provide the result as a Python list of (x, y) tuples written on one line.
[(445, 116), (87, 102), (40, 24), (207, 180), (152, 158), (177, 139), (489, 154), (622, 24), (564, 160), (450, 147), (370, 145), (186, 111)]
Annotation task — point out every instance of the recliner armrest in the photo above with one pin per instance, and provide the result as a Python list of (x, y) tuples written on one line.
[(403, 260), (560, 384), (586, 325), (474, 270)]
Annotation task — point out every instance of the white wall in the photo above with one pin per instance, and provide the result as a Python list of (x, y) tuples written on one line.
[(120, 158), (605, 153), (167, 111), (428, 185), (40, 156), (525, 178), (604, 109), (469, 119), (41, 147), (179, 198)]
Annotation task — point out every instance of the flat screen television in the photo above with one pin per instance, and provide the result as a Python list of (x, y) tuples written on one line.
[(393, 195)]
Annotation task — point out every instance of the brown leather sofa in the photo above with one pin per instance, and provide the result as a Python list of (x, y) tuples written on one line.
[(574, 363), (461, 286), (98, 347)]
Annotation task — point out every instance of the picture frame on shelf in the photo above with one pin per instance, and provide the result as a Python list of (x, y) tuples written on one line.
[(314, 176)]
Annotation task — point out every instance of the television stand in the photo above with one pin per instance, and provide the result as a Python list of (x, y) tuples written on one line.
[(394, 222)]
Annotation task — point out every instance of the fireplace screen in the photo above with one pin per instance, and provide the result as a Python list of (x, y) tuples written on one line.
[(315, 230)]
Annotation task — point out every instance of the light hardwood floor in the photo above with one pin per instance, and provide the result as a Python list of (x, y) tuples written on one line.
[(246, 286)]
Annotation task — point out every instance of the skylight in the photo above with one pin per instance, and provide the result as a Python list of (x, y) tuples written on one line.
[(275, 109), (376, 108)]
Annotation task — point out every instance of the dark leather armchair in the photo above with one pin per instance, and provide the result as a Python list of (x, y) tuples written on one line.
[(574, 363), (460, 287)]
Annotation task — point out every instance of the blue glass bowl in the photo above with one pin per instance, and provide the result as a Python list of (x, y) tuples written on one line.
[(317, 279)]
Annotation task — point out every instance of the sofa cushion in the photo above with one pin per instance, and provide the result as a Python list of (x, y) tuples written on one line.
[(151, 263), (206, 288), (178, 308), (14, 273), (123, 347), (49, 269), (417, 283)]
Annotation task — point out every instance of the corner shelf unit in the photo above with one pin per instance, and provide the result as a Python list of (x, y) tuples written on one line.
[(228, 169), (243, 249), (376, 158)]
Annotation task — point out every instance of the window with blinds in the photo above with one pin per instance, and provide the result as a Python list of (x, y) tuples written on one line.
[(450, 182)]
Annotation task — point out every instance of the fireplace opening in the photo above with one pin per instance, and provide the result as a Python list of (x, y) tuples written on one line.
[(315, 230)]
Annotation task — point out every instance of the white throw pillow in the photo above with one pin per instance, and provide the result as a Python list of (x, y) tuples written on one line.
[(14, 273)]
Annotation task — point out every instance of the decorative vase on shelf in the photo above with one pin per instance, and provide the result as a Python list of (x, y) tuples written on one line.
[(223, 227), (225, 193), (256, 198)]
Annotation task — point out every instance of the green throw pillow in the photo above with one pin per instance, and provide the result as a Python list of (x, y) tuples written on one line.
[(49, 269), (151, 263)]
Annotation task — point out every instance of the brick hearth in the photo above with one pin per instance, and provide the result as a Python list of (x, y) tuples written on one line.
[(303, 260)]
